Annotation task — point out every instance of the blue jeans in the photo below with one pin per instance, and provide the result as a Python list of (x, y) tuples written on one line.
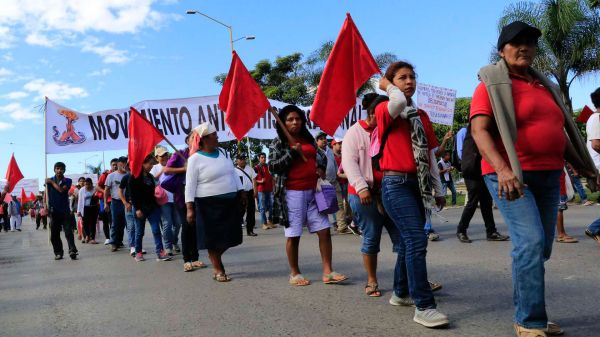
[(265, 204), (140, 224), (449, 185), (595, 227), (117, 229), (402, 202), (579, 188), (170, 222), (371, 224), (531, 222), (130, 219)]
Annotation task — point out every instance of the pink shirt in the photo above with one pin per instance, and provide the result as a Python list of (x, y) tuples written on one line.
[(356, 159)]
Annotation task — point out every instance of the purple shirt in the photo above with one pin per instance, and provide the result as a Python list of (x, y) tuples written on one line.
[(176, 162)]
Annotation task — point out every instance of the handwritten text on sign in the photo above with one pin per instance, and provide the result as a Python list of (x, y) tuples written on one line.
[(437, 102)]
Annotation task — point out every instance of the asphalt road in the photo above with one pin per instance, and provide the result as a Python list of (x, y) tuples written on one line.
[(109, 294)]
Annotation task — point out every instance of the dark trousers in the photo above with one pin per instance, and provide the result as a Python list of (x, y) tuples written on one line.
[(189, 241), (59, 221), (90, 217), (478, 193), (6, 223), (250, 212), (40, 219), (106, 221)]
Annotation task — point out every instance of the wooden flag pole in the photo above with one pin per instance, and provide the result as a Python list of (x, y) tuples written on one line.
[(46, 201), (289, 137), (175, 149)]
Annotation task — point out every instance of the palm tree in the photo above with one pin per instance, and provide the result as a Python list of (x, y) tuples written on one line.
[(97, 169), (315, 64), (570, 44)]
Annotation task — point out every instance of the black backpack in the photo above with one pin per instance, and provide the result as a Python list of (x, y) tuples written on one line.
[(454, 159), (471, 158)]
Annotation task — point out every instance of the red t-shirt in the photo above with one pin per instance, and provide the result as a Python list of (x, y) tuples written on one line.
[(262, 172), (101, 184), (338, 161), (303, 175), (377, 174), (398, 152), (541, 139)]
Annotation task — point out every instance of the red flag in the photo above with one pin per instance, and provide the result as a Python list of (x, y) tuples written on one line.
[(23, 195), (584, 115), (349, 66), (143, 137), (32, 196), (242, 99), (13, 173)]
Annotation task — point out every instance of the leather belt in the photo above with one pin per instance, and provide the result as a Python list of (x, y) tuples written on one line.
[(401, 174)]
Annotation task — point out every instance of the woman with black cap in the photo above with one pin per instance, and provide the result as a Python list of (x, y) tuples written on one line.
[(519, 120)]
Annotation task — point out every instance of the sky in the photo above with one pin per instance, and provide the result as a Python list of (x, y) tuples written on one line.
[(96, 55)]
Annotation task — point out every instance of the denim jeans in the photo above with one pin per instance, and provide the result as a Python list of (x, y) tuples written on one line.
[(579, 188), (265, 204), (371, 224), (595, 227), (170, 220), (531, 222), (402, 202), (130, 219), (117, 229), (449, 185), (140, 224)]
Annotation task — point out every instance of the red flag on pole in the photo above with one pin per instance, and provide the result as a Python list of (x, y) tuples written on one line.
[(242, 99), (32, 196), (143, 137), (13, 173), (584, 115), (23, 195), (349, 66)]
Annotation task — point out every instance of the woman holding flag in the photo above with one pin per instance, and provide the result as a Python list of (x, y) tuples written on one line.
[(293, 159)]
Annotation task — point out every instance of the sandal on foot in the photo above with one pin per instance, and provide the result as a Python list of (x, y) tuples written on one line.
[(198, 264), (595, 237), (524, 332), (372, 290), (435, 286), (334, 278), (222, 277), (566, 239), (298, 280), (553, 329), (187, 267)]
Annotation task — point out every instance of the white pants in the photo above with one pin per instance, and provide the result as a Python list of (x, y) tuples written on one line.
[(15, 222)]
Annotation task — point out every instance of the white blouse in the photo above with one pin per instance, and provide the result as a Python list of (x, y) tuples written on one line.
[(207, 176), (84, 199)]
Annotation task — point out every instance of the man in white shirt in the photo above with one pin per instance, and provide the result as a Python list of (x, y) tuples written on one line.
[(117, 209), (592, 128), (446, 168), (171, 222), (248, 178)]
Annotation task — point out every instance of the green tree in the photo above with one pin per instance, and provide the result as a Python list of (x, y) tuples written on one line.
[(95, 169), (570, 44)]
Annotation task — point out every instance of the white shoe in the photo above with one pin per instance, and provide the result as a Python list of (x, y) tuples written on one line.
[(430, 318), (132, 251), (401, 301), (106, 242)]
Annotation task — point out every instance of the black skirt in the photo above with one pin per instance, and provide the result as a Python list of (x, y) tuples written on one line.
[(218, 222)]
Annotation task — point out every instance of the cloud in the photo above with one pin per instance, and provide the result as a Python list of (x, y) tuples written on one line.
[(6, 126), (40, 39), (15, 95), (54, 90), (108, 52), (6, 37), (101, 72), (18, 112), (5, 72)]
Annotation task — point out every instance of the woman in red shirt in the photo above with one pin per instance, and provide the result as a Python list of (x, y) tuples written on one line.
[(410, 176), (295, 165)]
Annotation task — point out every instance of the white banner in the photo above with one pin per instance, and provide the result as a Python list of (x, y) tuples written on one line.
[(72, 131), (437, 102), (29, 185)]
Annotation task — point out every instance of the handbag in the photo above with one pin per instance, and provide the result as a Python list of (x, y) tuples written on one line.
[(172, 183), (326, 198), (43, 211), (161, 195)]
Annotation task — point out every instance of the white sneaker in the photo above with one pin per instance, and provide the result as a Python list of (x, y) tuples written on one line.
[(401, 301), (430, 318), (132, 251), (106, 242)]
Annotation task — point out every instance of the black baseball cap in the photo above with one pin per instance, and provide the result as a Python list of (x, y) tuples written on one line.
[(514, 29), (321, 134)]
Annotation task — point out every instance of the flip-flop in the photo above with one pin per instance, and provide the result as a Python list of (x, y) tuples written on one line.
[(592, 235), (198, 264), (566, 239), (334, 278), (187, 267), (221, 277), (435, 286), (299, 281)]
